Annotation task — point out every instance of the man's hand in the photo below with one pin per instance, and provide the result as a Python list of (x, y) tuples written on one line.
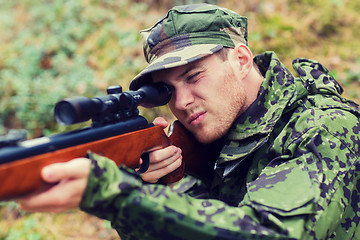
[(162, 161), (70, 179)]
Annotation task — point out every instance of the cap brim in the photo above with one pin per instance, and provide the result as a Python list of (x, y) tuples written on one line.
[(176, 58)]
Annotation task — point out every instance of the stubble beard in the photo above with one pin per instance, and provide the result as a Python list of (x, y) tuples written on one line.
[(220, 125), (221, 121)]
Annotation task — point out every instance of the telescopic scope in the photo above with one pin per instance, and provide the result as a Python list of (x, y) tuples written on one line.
[(116, 103)]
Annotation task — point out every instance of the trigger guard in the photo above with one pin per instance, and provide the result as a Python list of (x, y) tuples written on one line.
[(146, 163)]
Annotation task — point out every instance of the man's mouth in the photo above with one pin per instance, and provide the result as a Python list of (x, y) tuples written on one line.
[(196, 118)]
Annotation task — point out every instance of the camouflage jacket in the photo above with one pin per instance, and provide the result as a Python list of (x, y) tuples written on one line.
[(288, 169)]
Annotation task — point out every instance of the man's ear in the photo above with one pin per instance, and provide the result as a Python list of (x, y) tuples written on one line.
[(244, 58)]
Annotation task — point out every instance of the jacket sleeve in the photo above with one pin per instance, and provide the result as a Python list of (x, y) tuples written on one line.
[(150, 211)]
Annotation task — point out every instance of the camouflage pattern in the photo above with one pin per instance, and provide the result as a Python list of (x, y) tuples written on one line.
[(188, 33), (289, 169)]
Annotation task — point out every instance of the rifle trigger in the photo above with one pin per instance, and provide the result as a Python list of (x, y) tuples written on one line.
[(146, 163)]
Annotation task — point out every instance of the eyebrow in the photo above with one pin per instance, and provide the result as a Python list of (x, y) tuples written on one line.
[(187, 70)]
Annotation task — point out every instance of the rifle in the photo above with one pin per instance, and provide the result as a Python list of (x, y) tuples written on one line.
[(117, 132)]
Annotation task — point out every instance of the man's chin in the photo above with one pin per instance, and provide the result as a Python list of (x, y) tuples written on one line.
[(205, 138), (204, 134)]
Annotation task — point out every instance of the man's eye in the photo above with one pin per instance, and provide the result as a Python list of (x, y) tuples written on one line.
[(193, 77)]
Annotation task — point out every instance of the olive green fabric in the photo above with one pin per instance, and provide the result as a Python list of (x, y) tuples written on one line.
[(289, 168)]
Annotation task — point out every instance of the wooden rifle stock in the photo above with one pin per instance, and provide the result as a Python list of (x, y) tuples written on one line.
[(22, 176)]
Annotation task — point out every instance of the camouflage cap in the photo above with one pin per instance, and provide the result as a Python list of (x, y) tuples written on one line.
[(186, 34)]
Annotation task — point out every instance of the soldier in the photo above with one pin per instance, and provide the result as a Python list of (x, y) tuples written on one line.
[(289, 146)]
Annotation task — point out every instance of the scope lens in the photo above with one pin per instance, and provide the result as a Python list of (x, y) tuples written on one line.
[(75, 110), (65, 113)]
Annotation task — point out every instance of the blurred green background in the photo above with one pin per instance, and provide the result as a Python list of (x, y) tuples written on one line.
[(55, 49)]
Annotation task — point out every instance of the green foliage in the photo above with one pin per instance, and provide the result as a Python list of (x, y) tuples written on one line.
[(56, 49), (28, 231)]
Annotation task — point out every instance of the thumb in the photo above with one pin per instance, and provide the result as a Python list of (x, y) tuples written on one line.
[(76, 168), (160, 121)]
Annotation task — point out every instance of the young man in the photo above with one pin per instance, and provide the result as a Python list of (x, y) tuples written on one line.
[(289, 159)]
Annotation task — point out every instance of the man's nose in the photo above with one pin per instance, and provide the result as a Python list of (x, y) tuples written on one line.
[(183, 98)]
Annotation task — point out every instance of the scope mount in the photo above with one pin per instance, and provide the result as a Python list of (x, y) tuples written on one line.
[(109, 117)]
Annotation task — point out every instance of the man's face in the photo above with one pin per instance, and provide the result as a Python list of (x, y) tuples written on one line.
[(207, 96)]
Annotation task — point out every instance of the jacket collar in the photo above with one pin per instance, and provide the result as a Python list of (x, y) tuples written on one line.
[(253, 127)]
